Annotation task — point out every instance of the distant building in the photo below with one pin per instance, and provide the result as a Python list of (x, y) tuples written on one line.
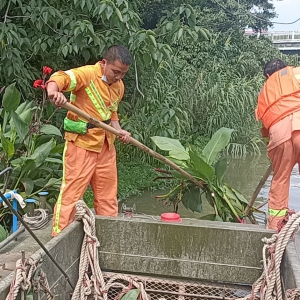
[(287, 42), (250, 32)]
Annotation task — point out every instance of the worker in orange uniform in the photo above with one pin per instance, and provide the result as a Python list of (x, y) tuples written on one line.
[(279, 110), (89, 155)]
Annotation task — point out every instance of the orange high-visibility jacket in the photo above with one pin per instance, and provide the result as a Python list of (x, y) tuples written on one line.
[(279, 97), (94, 96)]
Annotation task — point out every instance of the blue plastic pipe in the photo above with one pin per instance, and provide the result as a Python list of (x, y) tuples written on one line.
[(15, 206)]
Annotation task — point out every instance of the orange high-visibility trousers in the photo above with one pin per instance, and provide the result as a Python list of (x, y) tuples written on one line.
[(81, 168), (283, 158)]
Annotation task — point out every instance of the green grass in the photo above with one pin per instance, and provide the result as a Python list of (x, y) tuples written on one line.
[(133, 177)]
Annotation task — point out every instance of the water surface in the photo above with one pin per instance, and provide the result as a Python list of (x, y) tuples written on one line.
[(242, 174)]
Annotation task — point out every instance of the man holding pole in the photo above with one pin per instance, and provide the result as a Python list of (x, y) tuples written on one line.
[(279, 110), (89, 155)]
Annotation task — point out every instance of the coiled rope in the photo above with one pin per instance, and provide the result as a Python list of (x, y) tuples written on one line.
[(94, 284), (39, 220), (268, 286), (27, 276)]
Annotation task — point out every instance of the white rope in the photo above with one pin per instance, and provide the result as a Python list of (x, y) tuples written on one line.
[(268, 286), (16, 196), (39, 220), (292, 294), (23, 280), (94, 284)]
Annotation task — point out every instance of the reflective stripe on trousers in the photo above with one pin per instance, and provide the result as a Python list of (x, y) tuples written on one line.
[(81, 168), (277, 212)]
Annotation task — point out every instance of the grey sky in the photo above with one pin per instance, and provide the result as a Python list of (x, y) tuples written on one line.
[(287, 11)]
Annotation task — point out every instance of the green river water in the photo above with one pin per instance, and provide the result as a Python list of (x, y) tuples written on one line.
[(242, 174)]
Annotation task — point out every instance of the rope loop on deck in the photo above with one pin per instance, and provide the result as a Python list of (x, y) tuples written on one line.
[(39, 220), (268, 286), (90, 279)]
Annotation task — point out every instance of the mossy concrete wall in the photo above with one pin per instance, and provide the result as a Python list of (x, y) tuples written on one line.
[(193, 249)]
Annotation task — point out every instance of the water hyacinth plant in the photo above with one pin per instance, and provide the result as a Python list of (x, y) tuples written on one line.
[(209, 168)]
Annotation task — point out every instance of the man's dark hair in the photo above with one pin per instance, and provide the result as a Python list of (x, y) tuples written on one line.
[(117, 52), (273, 66)]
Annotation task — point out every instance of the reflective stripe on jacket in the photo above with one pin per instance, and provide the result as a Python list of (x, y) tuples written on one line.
[(94, 96), (279, 97)]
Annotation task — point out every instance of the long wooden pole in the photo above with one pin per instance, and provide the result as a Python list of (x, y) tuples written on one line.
[(133, 141), (258, 188)]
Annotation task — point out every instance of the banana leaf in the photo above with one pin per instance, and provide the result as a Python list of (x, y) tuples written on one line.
[(217, 143)]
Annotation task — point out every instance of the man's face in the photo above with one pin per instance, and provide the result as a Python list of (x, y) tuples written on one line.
[(113, 71)]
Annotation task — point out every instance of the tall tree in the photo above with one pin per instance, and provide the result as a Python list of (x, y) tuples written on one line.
[(74, 32), (256, 14)]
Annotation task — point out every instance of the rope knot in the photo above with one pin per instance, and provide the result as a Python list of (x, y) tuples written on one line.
[(292, 294), (285, 220), (272, 250), (81, 210), (25, 278)]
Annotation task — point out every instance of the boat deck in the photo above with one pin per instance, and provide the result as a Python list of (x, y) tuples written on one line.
[(12, 252)]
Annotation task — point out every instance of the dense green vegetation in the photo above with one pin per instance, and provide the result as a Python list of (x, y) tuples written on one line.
[(208, 167), (194, 72)]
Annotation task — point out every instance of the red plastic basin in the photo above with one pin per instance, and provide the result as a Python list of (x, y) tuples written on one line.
[(170, 217)]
